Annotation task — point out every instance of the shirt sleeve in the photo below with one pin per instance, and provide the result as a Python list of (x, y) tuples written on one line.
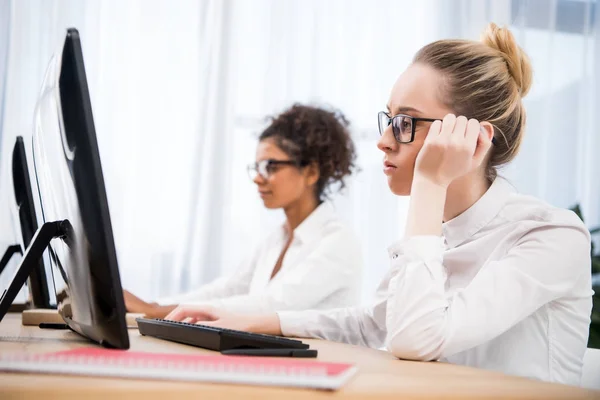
[(227, 286), (331, 270), (363, 326), (425, 323)]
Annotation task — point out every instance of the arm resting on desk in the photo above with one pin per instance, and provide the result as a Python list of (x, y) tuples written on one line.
[(424, 323), (363, 326), (222, 287)]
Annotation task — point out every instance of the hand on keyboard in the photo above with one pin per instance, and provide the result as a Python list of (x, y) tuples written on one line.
[(210, 316), (134, 304)]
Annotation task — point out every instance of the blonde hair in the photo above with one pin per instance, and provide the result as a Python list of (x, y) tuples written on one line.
[(485, 80)]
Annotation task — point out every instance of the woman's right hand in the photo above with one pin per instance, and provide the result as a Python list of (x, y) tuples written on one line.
[(134, 304), (206, 315), (453, 147)]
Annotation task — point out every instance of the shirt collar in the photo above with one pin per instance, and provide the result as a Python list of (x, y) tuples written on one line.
[(312, 226), (459, 229)]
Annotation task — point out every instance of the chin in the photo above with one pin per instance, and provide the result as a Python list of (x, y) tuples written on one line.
[(399, 188), (271, 205)]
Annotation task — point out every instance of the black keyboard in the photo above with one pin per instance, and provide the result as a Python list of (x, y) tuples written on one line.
[(212, 338)]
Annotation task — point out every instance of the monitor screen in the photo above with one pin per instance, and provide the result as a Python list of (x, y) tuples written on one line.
[(71, 187), (28, 221)]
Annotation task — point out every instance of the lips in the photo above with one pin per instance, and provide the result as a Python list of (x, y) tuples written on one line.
[(388, 168)]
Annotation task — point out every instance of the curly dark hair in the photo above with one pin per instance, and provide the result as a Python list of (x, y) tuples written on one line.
[(314, 135)]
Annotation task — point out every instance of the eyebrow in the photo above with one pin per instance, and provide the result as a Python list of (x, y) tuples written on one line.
[(404, 109)]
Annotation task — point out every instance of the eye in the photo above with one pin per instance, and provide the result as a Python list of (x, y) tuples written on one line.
[(405, 125), (270, 167)]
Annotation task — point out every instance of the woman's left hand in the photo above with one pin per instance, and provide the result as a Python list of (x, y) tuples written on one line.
[(211, 316), (453, 148), (207, 315)]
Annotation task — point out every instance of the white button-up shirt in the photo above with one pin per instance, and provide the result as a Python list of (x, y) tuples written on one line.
[(320, 270), (507, 288)]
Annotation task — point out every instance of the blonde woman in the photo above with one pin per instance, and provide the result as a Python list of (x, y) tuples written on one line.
[(484, 276)]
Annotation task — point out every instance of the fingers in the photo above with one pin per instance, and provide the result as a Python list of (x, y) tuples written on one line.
[(434, 130), (460, 128), (210, 323), (465, 133), (483, 145), (175, 315), (196, 313), (452, 127), (448, 126), (473, 130)]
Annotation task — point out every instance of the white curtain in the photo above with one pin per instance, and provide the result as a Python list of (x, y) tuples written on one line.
[(157, 74), (30, 29), (6, 239), (4, 40), (180, 91)]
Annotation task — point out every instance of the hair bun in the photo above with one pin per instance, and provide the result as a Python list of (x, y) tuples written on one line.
[(517, 61)]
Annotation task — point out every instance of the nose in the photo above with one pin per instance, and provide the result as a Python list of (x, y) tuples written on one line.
[(387, 143), (259, 180)]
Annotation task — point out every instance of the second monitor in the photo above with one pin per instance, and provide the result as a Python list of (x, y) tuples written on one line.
[(40, 291)]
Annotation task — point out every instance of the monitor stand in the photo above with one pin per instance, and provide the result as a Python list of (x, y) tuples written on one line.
[(37, 316), (10, 251), (33, 254)]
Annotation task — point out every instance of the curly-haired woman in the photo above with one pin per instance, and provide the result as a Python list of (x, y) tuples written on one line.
[(314, 260)]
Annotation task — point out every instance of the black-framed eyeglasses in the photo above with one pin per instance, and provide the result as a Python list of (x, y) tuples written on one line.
[(266, 168), (403, 126)]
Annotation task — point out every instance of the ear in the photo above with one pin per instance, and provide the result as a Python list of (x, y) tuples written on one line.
[(487, 129), (312, 173)]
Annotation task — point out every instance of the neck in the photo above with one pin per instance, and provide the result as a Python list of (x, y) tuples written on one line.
[(463, 193), (297, 212)]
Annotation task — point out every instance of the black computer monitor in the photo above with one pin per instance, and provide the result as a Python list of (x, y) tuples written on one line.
[(77, 227), (38, 283)]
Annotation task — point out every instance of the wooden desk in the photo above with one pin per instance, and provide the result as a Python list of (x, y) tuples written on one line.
[(379, 375)]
